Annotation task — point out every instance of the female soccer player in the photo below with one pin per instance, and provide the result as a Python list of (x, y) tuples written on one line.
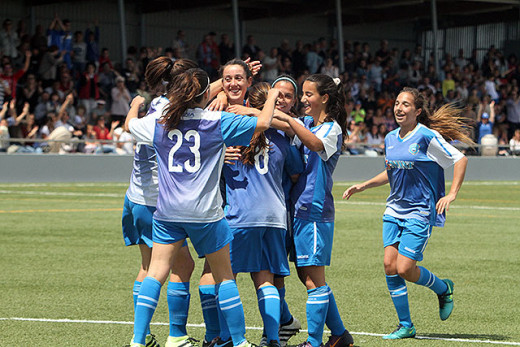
[(255, 210), (319, 137), (416, 155), (189, 145)]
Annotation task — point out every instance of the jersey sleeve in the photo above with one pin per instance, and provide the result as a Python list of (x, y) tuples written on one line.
[(295, 140), (143, 129), (328, 134), (442, 152), (237, 130)]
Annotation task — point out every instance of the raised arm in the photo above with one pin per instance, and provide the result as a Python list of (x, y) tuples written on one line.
[(137, 102), (376, 181), (266, 115)]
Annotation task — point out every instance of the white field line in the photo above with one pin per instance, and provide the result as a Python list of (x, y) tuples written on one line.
[(28, 192), (103, 184), (471, 207), (466, 183), (248, 328)]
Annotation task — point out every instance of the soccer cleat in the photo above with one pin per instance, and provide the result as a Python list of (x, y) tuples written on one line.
[(446, 301), (401, 332), (220, 343), (307, 344), (151, 341), (181, 341), (274, 343), (263, 341), (244, 344), (288, 330), (209, 343), (344, 340)]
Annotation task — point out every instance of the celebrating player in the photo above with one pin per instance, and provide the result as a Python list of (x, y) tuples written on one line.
[(416, 155)]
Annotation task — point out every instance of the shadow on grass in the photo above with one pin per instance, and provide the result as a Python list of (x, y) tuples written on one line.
[(464, 336)]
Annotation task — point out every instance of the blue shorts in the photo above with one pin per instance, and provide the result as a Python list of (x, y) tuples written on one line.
[(137, 223), (312, 242), (259, 248), (206, 238), (411, 234)]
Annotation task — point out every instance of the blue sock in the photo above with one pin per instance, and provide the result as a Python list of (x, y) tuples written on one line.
[(145, 307), (285, 314), (178, 307), (399, 293), (317, 307), (428, 279), (232, 311), (208, 301), (269, 305), (333, 319)]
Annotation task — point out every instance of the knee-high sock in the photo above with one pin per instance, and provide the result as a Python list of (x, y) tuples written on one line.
[(178, 307), (145, 307), (285, 314), (208, 301), (428, 279), (317, 307), (135, 292), (232, 310), (333, 319), (269, 305), (399, 293)]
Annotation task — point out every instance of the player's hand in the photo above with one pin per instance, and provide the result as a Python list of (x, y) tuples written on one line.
[(114, 124), (239, 109), (357, 188), (444, 203), (273, 93), (219, 103), (232, 155), (137, 101), (281, 115)]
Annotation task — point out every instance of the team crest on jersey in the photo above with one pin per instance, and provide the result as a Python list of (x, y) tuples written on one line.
[(414, 148)]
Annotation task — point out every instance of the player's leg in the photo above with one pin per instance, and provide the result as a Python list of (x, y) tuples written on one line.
[(289, 325), (268, 304), (208, 301)]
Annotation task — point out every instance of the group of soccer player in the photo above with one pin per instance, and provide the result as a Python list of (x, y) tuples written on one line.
[(276, 181)]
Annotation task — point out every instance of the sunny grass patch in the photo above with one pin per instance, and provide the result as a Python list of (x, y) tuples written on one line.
[(74, 265)]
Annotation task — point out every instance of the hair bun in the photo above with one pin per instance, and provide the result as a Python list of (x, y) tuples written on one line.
[(337, 81)]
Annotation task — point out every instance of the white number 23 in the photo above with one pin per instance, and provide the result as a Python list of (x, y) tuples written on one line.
[(194, 149)]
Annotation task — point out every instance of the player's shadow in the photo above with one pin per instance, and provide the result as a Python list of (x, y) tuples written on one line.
[(465, 336)]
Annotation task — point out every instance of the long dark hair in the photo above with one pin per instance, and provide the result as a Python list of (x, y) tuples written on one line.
[(335, 107), (159, 72), (186, 89), (239, 62), (257, 97), (447, 120)]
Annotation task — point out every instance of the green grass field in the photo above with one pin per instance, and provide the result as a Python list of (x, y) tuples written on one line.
[(63, 258)]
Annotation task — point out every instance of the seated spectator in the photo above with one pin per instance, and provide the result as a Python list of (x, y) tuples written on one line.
[(514, 143), (358, 113), (329, 69), (125, 144), (375, 140)]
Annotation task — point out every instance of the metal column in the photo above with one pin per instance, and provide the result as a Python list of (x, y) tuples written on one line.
[(236, 25), (340, 36), (434, 33), (122, 24)]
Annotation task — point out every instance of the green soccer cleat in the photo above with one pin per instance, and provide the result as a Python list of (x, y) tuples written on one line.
[(446, 300), (246, 344), (181, 341), (401, 332), (151, 341)]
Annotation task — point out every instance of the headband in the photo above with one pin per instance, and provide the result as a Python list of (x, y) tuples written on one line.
[(207, 86), (283, 78)]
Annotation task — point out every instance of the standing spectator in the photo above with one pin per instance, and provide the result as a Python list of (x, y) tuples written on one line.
[(92, 41), (414, 74), (89, 89), (31, 92), (329, 69), (59, 34), (383, 53), (486, 121), (11, 77), (313, 60), (491, 87), (120, 100), (448, 84), (375, 75), (285, 50), (9, 39), (38, 40), (66, 83), (106, 80), (207, 56), (250, 48), (180, 43), (418, 54), (105, 58), (79, 54), (271, 65), (5, 91), (50, 60), (226, 49), (460, 60), (513, 112), (131, 75), (358, 113), (298, 58)]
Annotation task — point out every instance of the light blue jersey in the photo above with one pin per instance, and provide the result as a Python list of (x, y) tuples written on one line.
[(415, 167), (254, 193), (312, 193), (144, 184), (190, 160)]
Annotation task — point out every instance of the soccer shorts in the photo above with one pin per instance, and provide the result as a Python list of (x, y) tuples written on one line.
[(312, 242), (137, 223), (259, 248), (411, 234), (206, 238)]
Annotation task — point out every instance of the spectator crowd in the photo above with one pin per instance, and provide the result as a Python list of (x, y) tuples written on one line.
[(59, 84)]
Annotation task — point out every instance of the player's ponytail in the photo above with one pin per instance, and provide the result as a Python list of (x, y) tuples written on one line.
[(160, 71), (335, 107), (185, 90), (257, 97), (447, 120)]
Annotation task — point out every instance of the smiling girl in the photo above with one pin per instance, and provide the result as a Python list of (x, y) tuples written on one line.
[(416, 155)]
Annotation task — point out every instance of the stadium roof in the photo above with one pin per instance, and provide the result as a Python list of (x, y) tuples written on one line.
[(450, 12)]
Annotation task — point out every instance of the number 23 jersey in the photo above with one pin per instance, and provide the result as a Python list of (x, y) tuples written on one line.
[(190, 160)]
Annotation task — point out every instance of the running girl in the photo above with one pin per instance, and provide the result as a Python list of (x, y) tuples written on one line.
[(416, 155)]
